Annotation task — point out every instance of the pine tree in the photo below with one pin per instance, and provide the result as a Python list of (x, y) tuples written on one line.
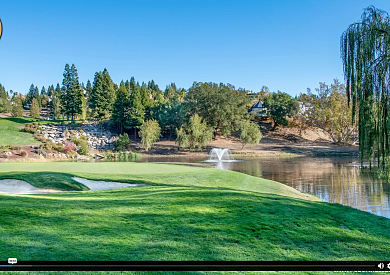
[(55, 108), (136, 114), (121, 108), (35, 109), (72, 94), (102, 96), (43, 91), (88, 88)]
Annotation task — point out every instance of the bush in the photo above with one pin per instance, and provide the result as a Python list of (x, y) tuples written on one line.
[(69, 147), (122, 143), (150, 133), (40, 138), (84, 138), (30, 130), (250, 133), (58, 147), (84, 149), (48, 145), (23, 153), (40, 152)]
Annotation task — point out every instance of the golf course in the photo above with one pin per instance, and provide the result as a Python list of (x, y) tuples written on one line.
[(181, 214)]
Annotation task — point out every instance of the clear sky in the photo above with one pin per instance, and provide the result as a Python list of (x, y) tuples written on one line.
[(285, 45)]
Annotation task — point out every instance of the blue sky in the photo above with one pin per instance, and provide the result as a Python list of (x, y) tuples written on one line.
[(285, 45)]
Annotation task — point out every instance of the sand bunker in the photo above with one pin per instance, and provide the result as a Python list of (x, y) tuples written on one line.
[(12, 186), (103, 185)]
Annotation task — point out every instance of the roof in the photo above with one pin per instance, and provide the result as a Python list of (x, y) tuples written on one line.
[(258, 104)]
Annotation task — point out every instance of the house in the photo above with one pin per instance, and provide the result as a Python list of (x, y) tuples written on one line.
[(259, 109)]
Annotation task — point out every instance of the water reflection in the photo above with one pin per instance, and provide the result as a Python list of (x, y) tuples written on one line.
[(331, 179)]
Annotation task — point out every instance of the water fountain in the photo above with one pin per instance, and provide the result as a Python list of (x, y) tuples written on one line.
[(220, 155)]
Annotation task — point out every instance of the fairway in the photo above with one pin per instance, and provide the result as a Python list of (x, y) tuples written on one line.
[(183, 213)]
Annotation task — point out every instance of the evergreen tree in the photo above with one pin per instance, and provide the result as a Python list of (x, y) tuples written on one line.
[(17, 107), (136, 112), (5, 106), (55, 108), (102, 96), (121, 108), (58, 89), (50, 91), (72, 94), (33, 92), (88, 88), (43, 91), (35, 109)]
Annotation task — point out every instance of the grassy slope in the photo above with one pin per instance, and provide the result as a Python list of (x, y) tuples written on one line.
[(182, 216), (10, 134)]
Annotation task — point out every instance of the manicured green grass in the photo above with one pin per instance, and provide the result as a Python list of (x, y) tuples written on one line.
[(184, 213), (10, 134)]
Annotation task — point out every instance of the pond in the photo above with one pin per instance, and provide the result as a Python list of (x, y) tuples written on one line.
[(332, 180)]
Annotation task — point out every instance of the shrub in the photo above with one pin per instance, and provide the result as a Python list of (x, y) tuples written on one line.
[(23, 153), (41, 152), (40, 138), (150, 133), (48, 145), (69, 147), (84, 149), (84, 138), (58, 147), (122, 143), (250, 133), (29, 130)]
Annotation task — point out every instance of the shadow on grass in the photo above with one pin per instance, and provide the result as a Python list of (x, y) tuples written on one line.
[(186, 223)]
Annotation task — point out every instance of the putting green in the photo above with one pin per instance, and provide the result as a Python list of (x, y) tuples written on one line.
[(131, 172)]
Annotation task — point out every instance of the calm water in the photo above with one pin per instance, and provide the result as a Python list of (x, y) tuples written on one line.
[(332, 180)]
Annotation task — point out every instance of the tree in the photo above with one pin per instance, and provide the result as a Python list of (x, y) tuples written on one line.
[(33, 92), (169, 115), (330, 112), (5, 106), (250, 133), (120, 114), (221, 107), (195, 133), (72, 94), (136, 111), (43, 91), (149, 133), (279, 106), (102, 95), (122, 143), (55, 108), (365, 52), (35, 109), (17, 107)]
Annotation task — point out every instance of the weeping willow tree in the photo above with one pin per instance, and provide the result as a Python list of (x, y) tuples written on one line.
[(365, 51)]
